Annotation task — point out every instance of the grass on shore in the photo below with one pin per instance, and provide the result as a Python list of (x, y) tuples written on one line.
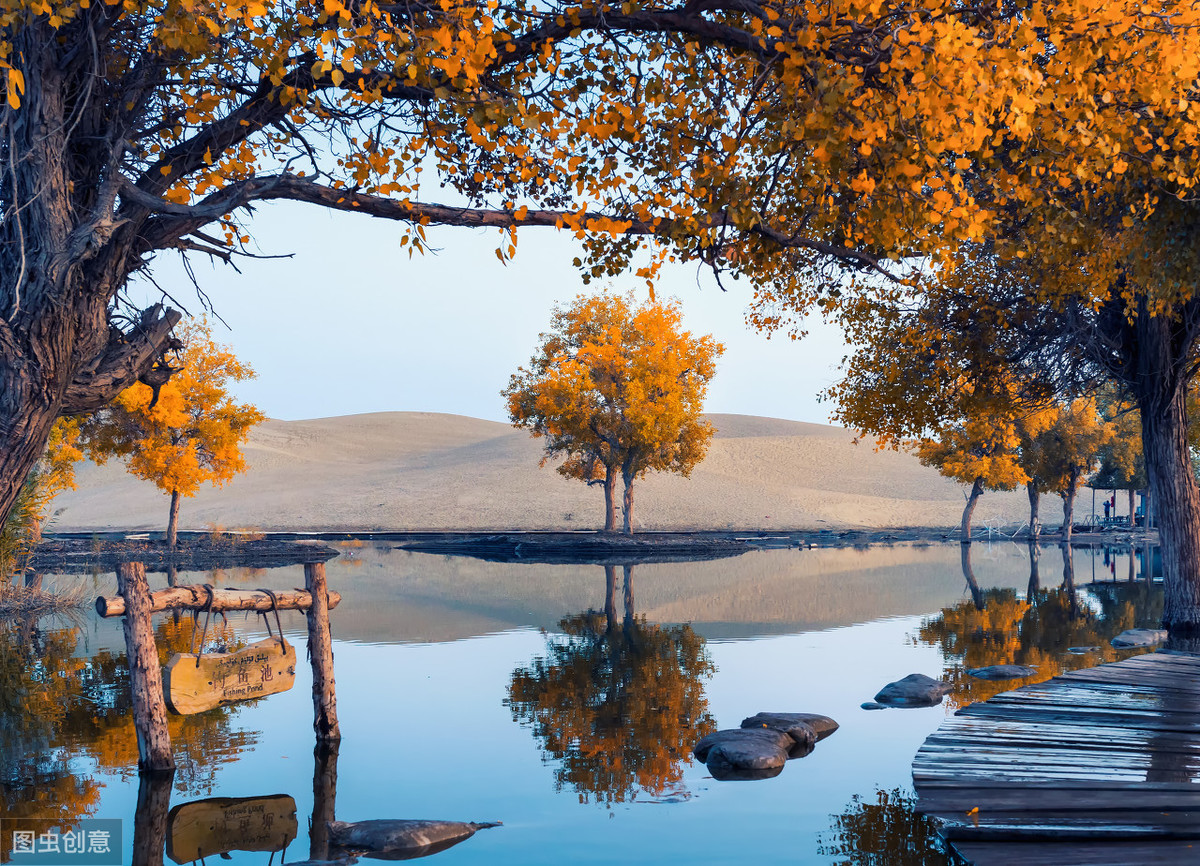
[(17, 600)]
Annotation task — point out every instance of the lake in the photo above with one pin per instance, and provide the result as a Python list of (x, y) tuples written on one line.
[(478, 691)]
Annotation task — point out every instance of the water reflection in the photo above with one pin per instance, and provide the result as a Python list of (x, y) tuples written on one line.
[(616, 704), (999, 626), (886, 831), (65, 719)]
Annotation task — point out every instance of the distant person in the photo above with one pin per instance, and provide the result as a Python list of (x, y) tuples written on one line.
[(1107, 508)]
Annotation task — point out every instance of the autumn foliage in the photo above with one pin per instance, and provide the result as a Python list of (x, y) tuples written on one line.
[(616, 389), (187, 434)]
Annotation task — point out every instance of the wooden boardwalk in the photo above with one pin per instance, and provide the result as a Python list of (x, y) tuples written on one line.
[(1097, 766)]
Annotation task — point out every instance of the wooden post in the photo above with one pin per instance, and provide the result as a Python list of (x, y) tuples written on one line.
[(325, 766), (145, 676), (320, 653), (150, 819)]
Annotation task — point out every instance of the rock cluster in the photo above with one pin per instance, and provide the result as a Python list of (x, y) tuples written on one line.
[(762, 745)]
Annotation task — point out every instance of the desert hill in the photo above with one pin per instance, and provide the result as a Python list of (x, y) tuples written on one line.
[(419, 470)]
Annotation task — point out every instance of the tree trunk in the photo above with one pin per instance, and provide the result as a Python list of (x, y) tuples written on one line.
[(628, 569), (610, 599), (969, 577), (1176, 501), (610, 499), (1035, 580), (151, 817), (627, 502), (173, 520), (1035, 523), (969, 510), (145, 675), (1069, 579), (320, 653), (1068, 498), (1132, 497)]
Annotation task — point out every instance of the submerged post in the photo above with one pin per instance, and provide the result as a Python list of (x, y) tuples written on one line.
[(320, 653), (325, 767), (145, 675)]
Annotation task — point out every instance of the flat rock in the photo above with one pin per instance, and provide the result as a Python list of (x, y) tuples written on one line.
[(1002, 672), (1135, 637), (801, 727), (733, 759), (401, 836), (915, 690), (1082, 650), (760, 738), (871, 705)]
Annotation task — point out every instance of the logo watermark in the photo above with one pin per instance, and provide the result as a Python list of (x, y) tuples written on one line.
[(91, 842)]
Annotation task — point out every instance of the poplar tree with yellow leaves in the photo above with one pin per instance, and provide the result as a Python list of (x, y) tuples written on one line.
[(617, 390), (186, 433), (1067, 451)]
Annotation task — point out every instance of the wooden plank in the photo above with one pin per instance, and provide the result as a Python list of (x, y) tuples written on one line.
[(193, 684), (1109, 753), (1110, 853), (219, 825)]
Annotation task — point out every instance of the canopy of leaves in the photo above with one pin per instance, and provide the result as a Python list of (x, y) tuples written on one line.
[(614, 384), (1062, 455), (187, 434)]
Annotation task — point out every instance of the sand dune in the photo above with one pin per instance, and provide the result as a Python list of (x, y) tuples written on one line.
[(417, 470)]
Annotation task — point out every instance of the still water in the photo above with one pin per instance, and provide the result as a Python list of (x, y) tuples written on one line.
[(479, 691)]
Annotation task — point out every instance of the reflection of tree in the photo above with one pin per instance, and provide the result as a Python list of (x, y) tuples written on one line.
[(886, 832), (57, 707), (998, 627), (618, 707)]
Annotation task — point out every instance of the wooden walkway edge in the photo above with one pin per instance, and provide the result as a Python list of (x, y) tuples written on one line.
[(1097, 766)]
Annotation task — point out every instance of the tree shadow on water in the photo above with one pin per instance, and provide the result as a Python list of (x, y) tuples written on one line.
[(616, 704)]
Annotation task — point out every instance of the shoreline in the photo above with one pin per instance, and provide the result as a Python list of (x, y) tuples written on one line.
[(84, 550)]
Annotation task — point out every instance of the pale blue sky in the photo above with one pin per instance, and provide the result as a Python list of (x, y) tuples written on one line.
[(350, 324)]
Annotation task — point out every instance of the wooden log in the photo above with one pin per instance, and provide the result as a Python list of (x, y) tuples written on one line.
[(195, 597), (145, 676), (320, 653)]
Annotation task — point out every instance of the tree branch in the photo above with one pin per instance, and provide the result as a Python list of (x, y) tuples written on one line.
[(127, 357)]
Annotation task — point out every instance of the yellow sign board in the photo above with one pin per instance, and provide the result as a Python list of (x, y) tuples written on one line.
[(193, 685), (220, 824)]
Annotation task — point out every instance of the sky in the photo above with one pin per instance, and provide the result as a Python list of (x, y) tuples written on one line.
[(351, 324)]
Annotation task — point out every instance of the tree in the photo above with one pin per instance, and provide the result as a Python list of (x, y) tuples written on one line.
[(186, 433), (134, 128), (617, 389), (1068, 450)]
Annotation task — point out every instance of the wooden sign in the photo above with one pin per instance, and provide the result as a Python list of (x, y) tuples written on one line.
[(261, 669), (221, 824)]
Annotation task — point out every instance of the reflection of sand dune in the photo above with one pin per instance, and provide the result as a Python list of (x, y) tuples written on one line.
[(414, 470), (397, 596)]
